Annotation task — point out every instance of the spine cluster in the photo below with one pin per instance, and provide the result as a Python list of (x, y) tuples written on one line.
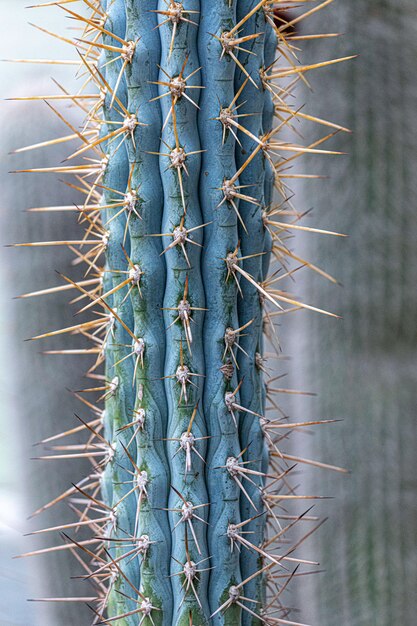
[(180, 153)]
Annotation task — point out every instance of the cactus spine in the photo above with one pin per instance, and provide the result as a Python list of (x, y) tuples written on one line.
[(182, 159)]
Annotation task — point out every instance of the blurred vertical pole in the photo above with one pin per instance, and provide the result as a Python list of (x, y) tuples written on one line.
[(364, 367)]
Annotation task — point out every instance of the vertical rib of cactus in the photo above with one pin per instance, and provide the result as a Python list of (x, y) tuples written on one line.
[(144, 217), (120, 399), (189, 484), (106, 285), (221, 238), (267, 123), (250, 305)]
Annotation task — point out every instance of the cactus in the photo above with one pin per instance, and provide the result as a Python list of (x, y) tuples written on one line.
[(178, 161)]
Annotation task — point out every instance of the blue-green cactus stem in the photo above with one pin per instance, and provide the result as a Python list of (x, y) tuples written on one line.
[(179, 162), (144, 204), (220, 240), (180, 138)]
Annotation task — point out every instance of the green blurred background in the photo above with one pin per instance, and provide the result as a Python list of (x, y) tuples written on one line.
[(364, 367)]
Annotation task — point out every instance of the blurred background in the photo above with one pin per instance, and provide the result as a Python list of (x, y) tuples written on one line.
[(363, 368)]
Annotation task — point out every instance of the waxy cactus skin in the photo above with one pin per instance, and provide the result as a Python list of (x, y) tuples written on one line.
[(180, 154)]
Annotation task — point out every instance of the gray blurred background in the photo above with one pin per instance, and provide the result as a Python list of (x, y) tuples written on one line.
[(35, 400), (364, 368)]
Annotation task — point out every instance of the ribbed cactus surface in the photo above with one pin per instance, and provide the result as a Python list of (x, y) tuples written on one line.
[(178, 161)]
